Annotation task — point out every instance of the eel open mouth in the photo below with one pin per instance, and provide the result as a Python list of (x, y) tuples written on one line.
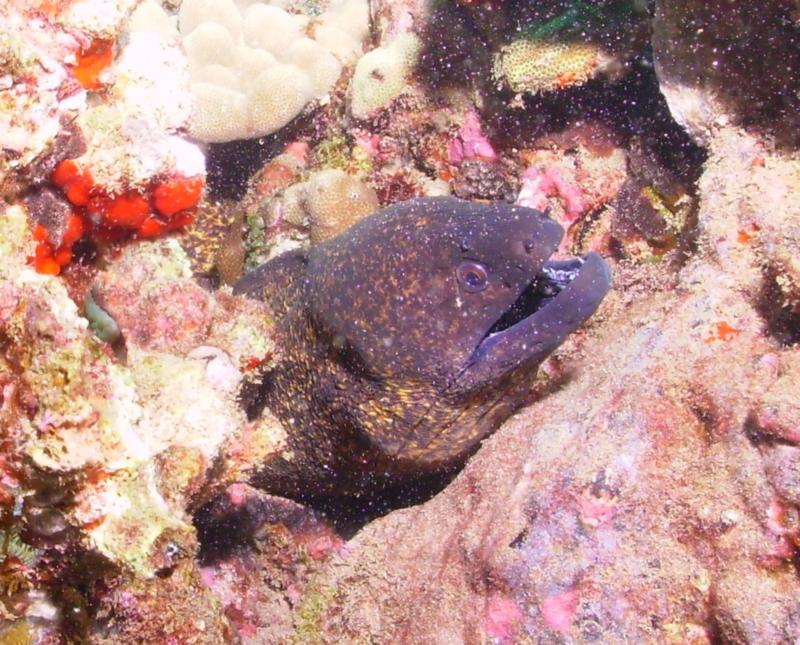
[(560, 298), (548, 283)]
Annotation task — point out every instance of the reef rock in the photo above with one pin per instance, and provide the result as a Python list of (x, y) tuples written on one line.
[(720, 63)]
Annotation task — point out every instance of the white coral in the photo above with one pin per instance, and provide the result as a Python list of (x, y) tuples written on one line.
[(382, 74), (256, 65)]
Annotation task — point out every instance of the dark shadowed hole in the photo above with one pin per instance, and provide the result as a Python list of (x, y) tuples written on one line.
[(351, 514), (782, 324), (222, 535), (633, 109), (231, 164)]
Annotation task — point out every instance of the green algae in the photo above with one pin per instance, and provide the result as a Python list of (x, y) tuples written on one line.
[(18, 633), (335, 152), (256, 246), (12, 545), (581, 17), (673, 211), (310, 614)]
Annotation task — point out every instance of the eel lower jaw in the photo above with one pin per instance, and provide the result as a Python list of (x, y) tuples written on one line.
[(561, 297)]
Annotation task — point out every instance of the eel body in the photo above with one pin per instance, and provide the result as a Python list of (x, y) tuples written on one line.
[(410, 337)]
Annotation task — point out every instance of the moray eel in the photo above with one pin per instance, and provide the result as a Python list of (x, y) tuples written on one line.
[(410, 337)]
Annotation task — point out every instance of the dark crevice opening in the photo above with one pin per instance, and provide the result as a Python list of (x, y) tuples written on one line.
[(781, 321), (221, 534)]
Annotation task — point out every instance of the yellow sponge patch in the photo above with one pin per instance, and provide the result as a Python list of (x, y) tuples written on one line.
[(531, 66)]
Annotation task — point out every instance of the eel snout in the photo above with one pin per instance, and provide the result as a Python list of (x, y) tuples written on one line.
[(562, 295)]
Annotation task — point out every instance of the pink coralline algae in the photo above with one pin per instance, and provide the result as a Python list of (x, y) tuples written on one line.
[(596, 509), (470, 143), (573, 181), (558, 610), (503, 617), (540, 183)]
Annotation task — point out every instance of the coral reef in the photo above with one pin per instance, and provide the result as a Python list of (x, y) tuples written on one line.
[(136, 439), (116, 156), (281, 542), (37, 91), (641, 499), (648, 490)]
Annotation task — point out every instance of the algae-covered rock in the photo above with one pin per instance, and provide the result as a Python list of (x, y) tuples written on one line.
[(139, 436), (174, 608)]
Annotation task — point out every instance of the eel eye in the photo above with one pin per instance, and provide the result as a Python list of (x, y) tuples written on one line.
[(472, 276)]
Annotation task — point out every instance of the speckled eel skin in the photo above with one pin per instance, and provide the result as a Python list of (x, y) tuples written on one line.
[(410, 337)]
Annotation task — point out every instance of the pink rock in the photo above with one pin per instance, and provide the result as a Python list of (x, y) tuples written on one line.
[(298, 150), (238, 494), (595, 511), (368, 142), (321, 547), (535, 189), (772, 423), (455, 151), (775, 518), (207, 576), (174, 318), (558, 610), (771, 363)]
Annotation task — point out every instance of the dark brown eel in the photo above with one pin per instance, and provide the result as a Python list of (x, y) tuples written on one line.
[(410, 337)]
